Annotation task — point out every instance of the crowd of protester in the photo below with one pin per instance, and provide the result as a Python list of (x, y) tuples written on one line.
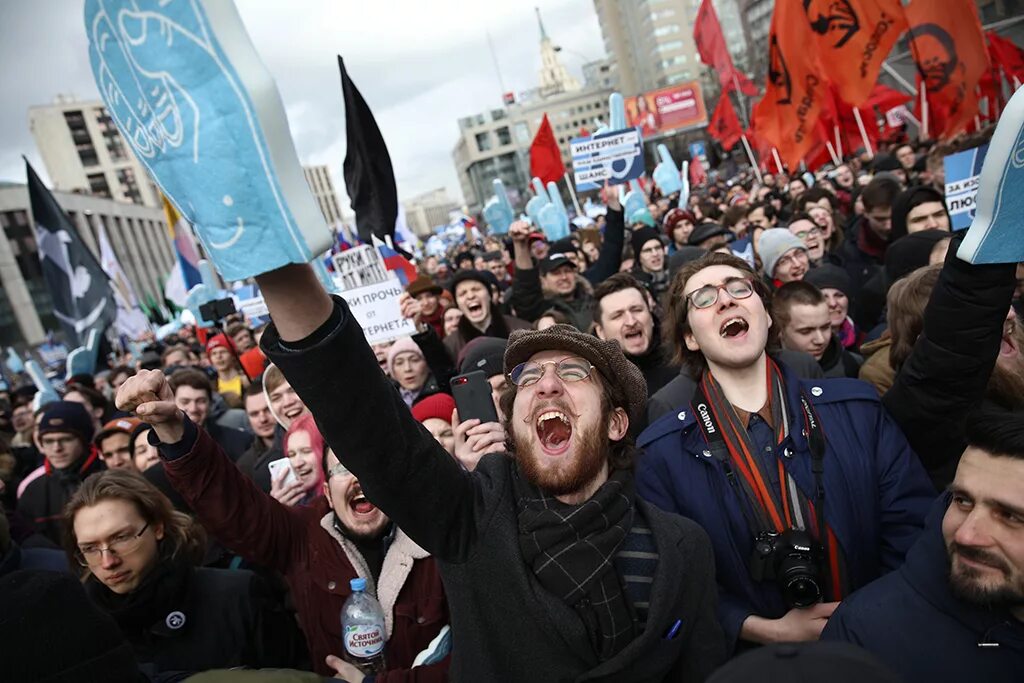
[(803, 421)]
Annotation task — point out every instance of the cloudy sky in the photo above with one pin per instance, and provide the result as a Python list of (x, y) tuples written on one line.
[(420, 65)]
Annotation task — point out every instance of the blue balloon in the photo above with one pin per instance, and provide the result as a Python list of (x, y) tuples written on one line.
[(498, 211)]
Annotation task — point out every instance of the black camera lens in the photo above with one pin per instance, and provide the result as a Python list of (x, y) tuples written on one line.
[(798, 581)]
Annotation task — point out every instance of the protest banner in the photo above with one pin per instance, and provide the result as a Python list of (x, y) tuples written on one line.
[(615, 156), (189, 93), (668, 110), (995, 235), (963, 172), (377, 310), (359, 267)]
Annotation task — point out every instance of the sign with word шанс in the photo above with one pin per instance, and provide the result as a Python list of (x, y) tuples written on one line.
[(616, 156)]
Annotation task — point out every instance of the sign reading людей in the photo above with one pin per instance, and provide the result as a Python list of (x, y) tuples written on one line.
[(616, 157)]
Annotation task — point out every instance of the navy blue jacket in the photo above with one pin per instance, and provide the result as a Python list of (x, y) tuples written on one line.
[(912, 622), (876, 491)]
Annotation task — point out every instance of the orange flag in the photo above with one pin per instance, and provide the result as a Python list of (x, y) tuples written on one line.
[(853, 38), (949, 48), (788, 113), (725, 125)]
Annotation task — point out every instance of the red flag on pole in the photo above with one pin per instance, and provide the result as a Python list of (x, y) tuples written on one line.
[(852, 39), (948, 45), (725, 125), (1007, 56), (698, 176), (707, 34), (545, 157)]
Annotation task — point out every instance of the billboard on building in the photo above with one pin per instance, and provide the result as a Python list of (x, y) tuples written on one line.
[(667, 110)]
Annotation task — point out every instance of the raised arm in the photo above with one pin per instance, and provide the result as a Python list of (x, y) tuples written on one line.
[(321, 349), (610, 257)]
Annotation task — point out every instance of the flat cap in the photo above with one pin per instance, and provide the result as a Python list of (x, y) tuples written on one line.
[(629, 388)]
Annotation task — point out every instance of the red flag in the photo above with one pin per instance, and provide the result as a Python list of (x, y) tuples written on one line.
[(545, 157), (707, 34), (853, 38), (951, 55), (698, 176), (725, 125), (1007, 56), (795, 91)]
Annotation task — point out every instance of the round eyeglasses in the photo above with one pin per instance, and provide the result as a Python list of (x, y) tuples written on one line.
[(571, 369), (707, 296)]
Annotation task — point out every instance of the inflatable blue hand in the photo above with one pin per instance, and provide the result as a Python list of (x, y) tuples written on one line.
[(642, 216), (538, 202), (192, 98), (666, 174), (45, 393), (203, 293), (635, 199), (82, 360), (554, 220), (498, 211), (616, 111), (14, 362), (995, 235)]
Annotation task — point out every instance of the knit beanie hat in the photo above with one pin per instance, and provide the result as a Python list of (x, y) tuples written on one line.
[(774, 245), (403, 345), (88, 646), (69, 417), (906, 202), (829, 276), (911, 252), (483, 353), (641, 237), (806, 663), (439, 406)]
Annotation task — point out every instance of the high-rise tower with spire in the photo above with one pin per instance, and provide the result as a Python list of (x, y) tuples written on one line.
[(554, 78)]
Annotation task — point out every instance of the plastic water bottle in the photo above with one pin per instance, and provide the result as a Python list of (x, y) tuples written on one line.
[(363, 632)]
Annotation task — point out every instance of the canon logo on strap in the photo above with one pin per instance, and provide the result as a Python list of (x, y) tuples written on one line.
[(706, 418)]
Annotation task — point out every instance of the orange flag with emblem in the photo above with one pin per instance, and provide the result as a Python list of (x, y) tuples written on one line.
[(951, 55), (788, 113), (853, 38)]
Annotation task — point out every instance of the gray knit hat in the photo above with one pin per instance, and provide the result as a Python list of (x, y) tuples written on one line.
[(629, 388), (773, 246)]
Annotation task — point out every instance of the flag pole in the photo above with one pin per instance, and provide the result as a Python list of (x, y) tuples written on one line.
[(924, 112), (839, 143), (739, 98), (778, 161), (832, 151), (753, 163), (572, 193), (899, 79), (863, 132)]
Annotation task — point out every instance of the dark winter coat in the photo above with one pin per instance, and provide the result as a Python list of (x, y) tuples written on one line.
[(301, 543), (506, 626), (911, 621), (465, 332), (861, 263), (610, 257), (838, 362), (877, 493), (529, 301), (43, 501), (947, 373)]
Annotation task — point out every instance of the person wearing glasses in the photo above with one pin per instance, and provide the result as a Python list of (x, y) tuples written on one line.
[(65, 437), (758, 456), (630, 596), (139, 560), (318, 547), (803, 227)]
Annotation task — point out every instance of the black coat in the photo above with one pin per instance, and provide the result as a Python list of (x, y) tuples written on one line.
[(911, 621), (947, 373), (43, 500), (217, 619), (505, 625), (235, 442), (678, 393)]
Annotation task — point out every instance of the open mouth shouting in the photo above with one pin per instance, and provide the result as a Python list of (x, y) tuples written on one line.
[(554, 431), (1008, 345), (734, 328), (360, 506), (475, 310)]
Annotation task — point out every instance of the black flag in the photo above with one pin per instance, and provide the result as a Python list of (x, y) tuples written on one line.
[(82, 298), (369, 177)]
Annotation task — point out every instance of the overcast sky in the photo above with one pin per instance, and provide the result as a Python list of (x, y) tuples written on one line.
[(420, 66)]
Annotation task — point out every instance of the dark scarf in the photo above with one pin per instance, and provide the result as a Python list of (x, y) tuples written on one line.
[(164, 590), (571, 549), (870, 242), (497, 327), (774, 508)]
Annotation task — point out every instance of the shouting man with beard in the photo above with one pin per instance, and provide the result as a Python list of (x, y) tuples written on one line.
[(963, 582), (970, 352), (318, 548), (554, 569)]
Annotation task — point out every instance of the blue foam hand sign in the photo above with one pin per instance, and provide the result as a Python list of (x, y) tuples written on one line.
[(14, 362), (616, 111), (666, 174), (554, 219), (45, 393), (635, 199), (188, 91), (996, 235), (498, 211), (537, 202), (82, 360), (203, 293)]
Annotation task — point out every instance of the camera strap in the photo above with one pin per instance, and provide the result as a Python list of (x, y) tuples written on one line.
[(728, 441)]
